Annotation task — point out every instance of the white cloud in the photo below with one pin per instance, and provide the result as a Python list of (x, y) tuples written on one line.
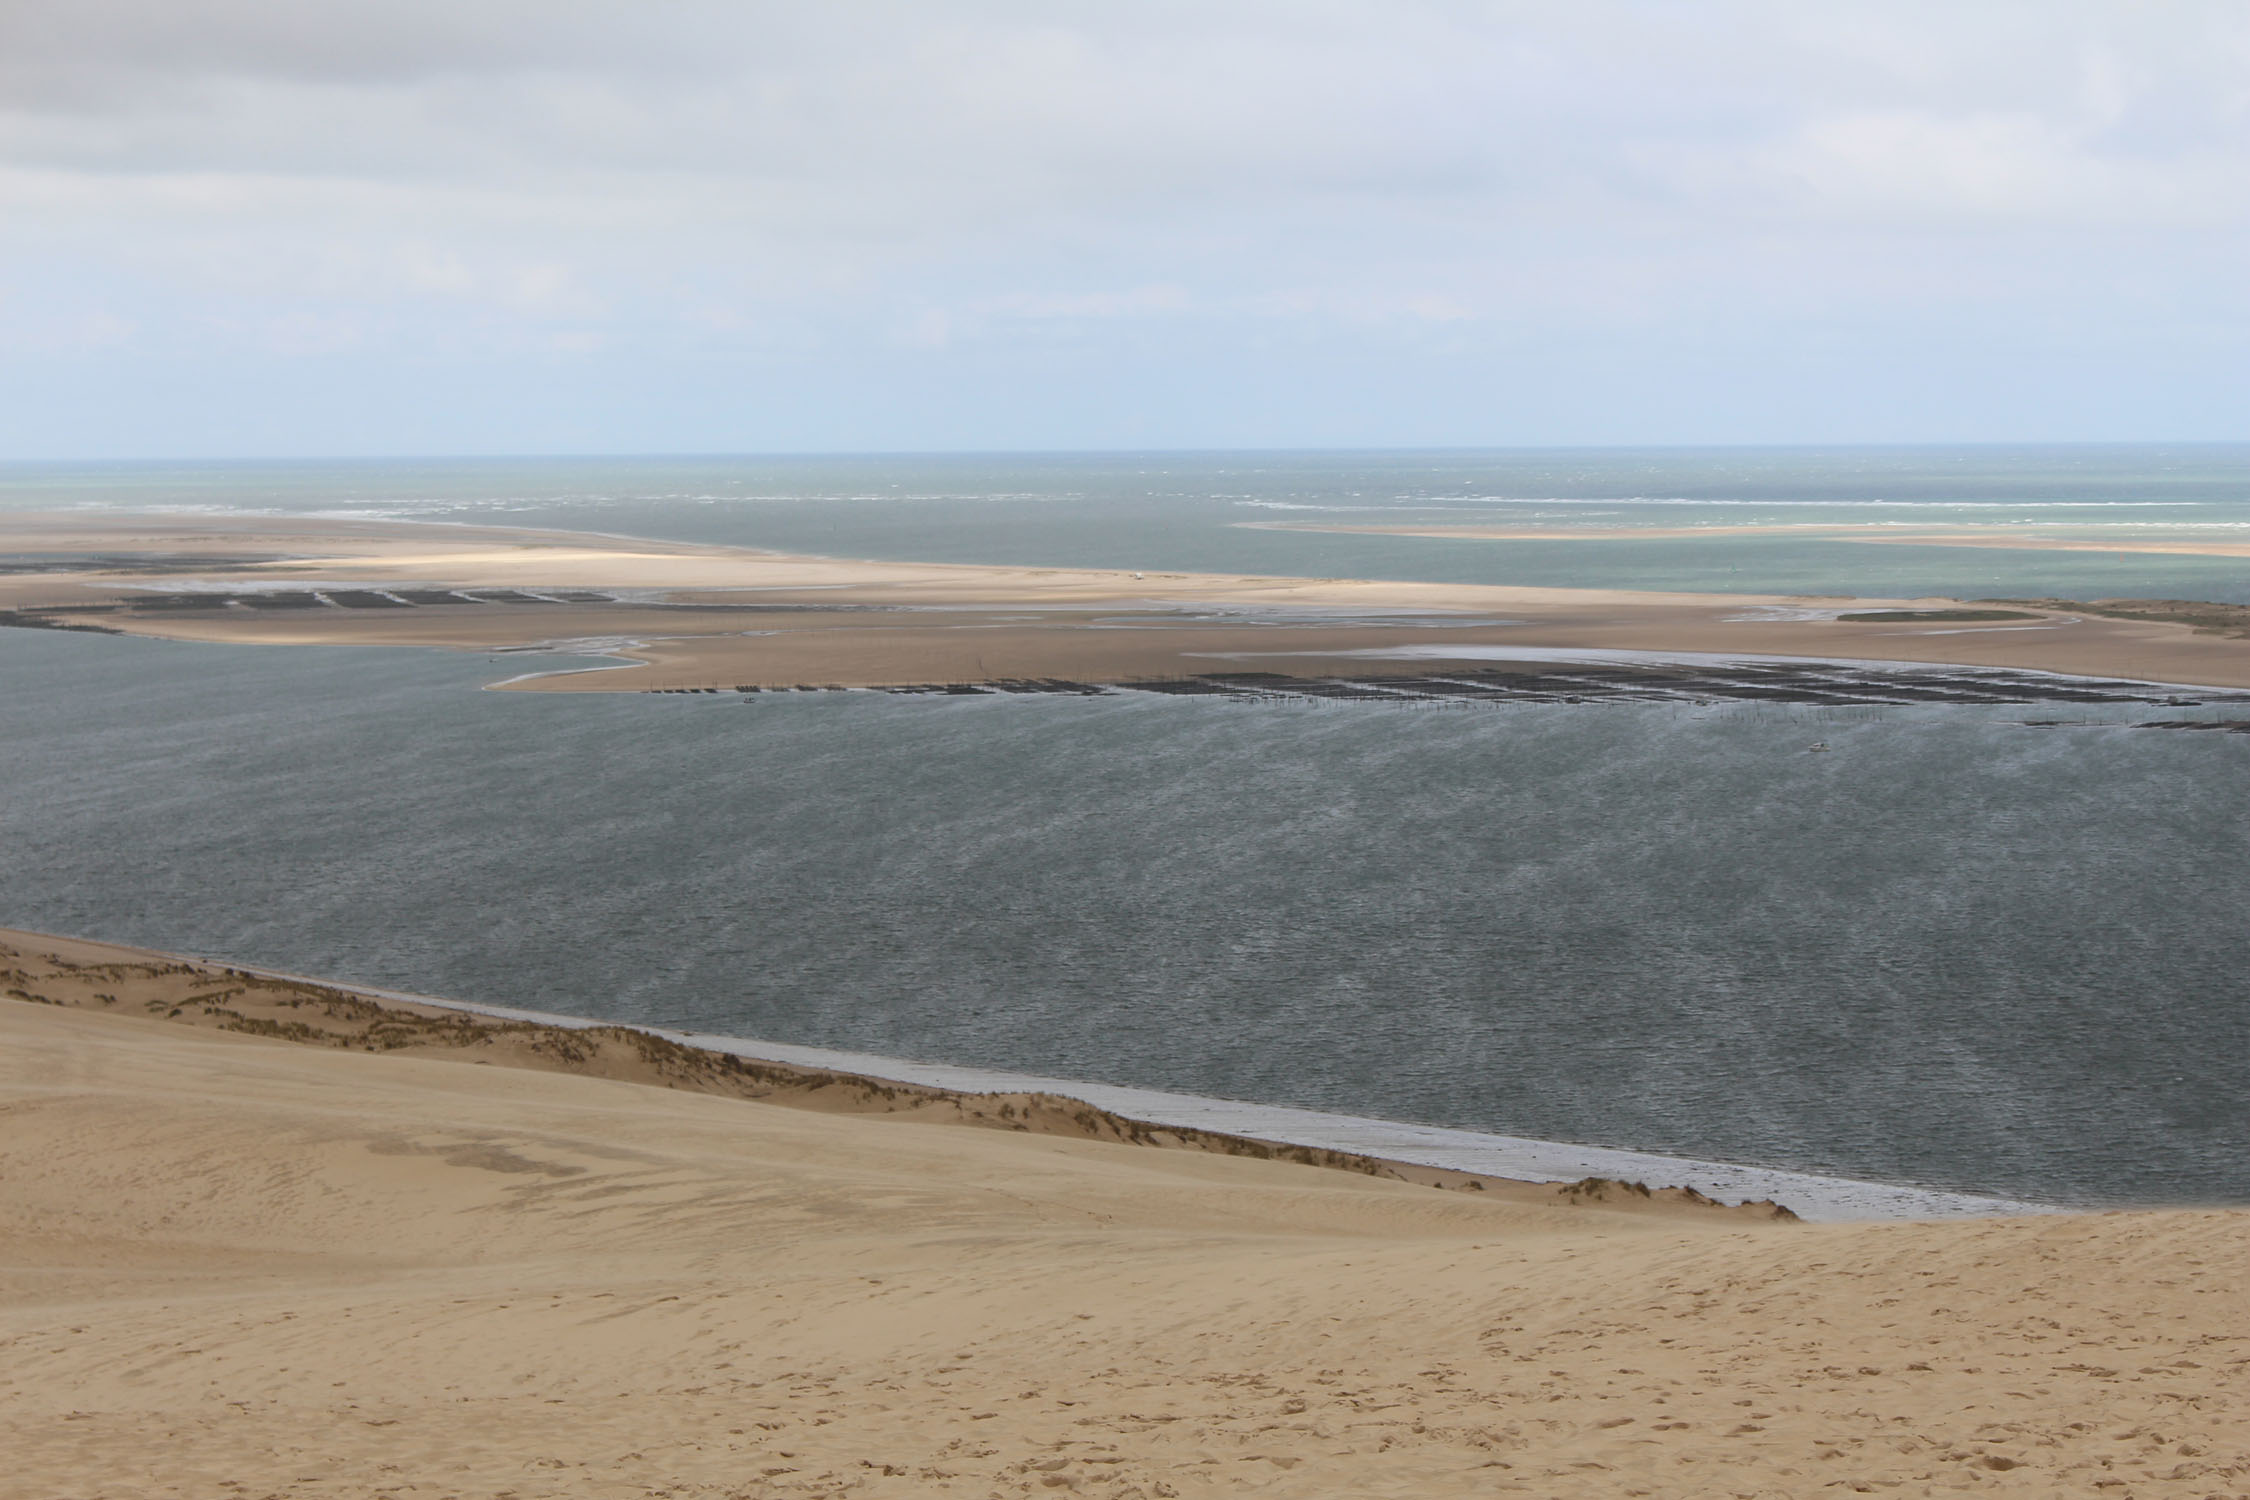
[(1134, 302), (687, 179)]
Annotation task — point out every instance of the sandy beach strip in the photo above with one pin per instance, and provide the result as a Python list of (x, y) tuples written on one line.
[(241, 1264), (708, 616)]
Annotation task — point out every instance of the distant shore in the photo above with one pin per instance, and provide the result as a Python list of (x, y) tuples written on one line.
[(706, 616)]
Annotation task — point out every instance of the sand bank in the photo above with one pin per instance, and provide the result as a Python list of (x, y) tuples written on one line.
[(703, 616), (236, 1264)]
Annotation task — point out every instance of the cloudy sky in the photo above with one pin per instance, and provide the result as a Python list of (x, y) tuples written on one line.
[(245, 227)]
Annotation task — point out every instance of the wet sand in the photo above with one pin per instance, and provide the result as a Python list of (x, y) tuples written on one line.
[(241, 1264), (707, 616)]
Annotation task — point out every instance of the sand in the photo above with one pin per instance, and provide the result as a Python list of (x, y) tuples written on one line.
[(681, 615), (236, 1265)]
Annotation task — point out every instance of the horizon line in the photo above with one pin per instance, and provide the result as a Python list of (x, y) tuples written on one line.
[(724, 454)]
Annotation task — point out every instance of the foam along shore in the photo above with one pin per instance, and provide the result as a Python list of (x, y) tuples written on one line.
[(236, 1263), (711, 616), (1350, 1140), (1475, 1153)]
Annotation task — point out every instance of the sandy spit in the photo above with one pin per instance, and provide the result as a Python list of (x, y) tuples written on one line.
[(234, 1264)]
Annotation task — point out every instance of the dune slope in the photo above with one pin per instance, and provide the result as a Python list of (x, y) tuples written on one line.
[(232, 1265)]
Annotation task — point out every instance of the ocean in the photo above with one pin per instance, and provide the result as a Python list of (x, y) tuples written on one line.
[(1214, 512), (1953, 951)]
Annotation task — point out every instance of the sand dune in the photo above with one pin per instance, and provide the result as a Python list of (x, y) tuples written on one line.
[(232, 1265)]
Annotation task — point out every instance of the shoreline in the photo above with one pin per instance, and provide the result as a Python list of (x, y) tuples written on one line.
[(1492, 1157)]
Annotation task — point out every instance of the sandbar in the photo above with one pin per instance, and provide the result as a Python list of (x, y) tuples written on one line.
[(685, 615)]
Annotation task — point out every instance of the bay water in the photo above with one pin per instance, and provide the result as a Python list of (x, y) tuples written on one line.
[(1952, 950)]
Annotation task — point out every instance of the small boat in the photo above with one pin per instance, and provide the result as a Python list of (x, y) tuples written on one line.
[(1816, 745)]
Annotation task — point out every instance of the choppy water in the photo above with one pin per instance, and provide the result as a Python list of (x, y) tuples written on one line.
[(1950, 951), (1205, 511)]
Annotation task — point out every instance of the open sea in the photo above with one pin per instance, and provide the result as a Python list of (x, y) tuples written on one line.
[(1213, 512), (1953, 951)]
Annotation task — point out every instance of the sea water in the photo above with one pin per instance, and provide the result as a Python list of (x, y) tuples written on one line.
[(1950, 950), (1215, 512)]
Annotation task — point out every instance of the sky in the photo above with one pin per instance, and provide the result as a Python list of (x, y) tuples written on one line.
[(234, 228)]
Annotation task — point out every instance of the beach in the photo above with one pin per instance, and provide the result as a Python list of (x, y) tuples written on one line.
[(682, 615), (242, 1264)]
